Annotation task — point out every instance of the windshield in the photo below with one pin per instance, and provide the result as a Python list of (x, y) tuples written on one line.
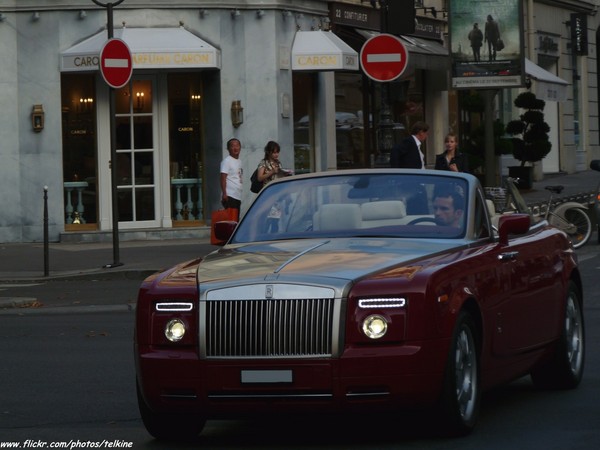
[(378, 204)]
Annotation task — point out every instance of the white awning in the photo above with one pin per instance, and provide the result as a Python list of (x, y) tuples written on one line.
[(151, 48), (547, 86), (322, 50)]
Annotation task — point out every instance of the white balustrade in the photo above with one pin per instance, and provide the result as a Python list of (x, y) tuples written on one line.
[(185, 211), (74, 214)]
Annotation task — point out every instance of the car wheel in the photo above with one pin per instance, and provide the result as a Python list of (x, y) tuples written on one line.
[(461, 394), (565, 368), (172, 427)]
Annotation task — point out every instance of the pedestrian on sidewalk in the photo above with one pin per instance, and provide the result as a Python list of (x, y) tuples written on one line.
[(231, 176)]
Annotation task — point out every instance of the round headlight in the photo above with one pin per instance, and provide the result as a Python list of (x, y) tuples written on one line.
[(375, 326), (175, 330)]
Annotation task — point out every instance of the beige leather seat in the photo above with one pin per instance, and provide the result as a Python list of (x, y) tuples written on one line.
[(382, 213)]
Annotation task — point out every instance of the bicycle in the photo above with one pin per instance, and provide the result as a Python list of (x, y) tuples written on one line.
[(569, 217)]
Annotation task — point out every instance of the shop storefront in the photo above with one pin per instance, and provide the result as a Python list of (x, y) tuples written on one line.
[(199, 78), (159, 124), (287, 72), (419, 94)]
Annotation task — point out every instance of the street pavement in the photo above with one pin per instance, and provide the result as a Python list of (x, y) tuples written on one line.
[(26, 262)]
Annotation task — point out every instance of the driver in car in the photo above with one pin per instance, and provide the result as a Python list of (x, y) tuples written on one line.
[(448, 208)]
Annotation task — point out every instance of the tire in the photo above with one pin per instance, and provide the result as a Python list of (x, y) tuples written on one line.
[(565, 368), (578, 226), (461, 392), (171, 427)]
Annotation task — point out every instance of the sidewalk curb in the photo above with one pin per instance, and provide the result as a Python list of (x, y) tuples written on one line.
[(93, 274), (67, 310)]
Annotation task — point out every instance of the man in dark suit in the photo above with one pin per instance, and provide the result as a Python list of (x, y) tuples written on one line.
[(492, 34), (407, 154)]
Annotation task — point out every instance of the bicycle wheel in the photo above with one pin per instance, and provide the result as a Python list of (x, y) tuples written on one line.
[(576, 223)]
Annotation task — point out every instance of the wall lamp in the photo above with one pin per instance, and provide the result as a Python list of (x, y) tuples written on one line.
[(82, 14), (2, 17), (235, 13), (260, 13), (286, 13), (37, 118), (35, 16), (237, 113), (204, 13)]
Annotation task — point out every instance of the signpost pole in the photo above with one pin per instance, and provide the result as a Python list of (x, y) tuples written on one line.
[(386, 124), (384, 58), (491, 178), (113, 146)]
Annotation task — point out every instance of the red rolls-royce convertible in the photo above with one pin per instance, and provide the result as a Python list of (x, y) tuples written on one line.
[(360, 290)]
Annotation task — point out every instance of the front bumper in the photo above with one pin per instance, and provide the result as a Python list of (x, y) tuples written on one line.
[(390, 377)]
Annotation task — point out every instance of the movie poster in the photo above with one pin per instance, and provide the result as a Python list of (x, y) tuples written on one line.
[(486, 44)]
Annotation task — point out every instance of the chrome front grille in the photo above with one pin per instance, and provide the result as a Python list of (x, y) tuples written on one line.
[(270, 328)]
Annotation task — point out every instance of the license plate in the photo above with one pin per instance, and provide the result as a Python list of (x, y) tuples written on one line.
[(266, 376)]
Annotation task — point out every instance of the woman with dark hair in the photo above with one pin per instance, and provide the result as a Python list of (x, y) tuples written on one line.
[(269, 168)]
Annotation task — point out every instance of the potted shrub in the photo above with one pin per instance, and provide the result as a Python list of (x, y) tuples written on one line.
[(530, 140)]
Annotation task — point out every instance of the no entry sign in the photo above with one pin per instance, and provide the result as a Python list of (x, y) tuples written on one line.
[(383, 57), (115, 63)]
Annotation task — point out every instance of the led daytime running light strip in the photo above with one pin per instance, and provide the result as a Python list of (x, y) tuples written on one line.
[(382, 303), (174, 306)]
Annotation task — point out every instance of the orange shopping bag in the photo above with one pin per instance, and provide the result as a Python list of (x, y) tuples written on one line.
[(219, 216)]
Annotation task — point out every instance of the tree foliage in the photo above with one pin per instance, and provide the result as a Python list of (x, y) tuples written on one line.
[(530, 140)]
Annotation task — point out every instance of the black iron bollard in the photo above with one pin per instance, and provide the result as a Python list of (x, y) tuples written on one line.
[(46, 249)]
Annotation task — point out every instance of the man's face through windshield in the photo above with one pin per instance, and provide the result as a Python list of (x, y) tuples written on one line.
[(445, 211)]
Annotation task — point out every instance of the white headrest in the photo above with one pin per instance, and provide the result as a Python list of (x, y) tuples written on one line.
[(338, 216), (388, 209)]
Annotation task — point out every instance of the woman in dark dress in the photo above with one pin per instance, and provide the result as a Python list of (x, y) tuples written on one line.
[(452, 159)]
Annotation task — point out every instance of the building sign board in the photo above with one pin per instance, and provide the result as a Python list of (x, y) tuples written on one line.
[(579, 39), (486, 44)]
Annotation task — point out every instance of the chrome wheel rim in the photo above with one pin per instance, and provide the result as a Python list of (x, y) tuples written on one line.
[(574, 334), (466, 373)]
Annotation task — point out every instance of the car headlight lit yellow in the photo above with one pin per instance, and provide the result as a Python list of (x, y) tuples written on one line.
[(375, 326), (175, 330)]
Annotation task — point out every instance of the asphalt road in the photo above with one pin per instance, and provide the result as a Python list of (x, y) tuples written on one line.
[(67, 376)]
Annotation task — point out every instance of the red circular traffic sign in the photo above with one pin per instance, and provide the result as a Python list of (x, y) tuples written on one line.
[(383, 57), (115, 63)]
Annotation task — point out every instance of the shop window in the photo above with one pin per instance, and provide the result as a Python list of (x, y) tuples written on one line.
[(186, 151), (79, 141), (304, 126), (358, 105)]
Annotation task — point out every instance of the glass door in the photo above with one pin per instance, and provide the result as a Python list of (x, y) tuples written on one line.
[(79, 152), (136, 154), (186, 152)]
